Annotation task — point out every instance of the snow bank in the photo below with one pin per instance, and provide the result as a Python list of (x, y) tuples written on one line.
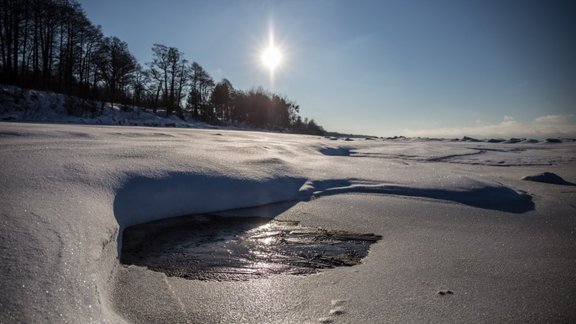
[(548, 177), (17, 104), (144, 199), (480, 194)]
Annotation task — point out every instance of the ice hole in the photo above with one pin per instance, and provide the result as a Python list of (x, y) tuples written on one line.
[(210, 247)]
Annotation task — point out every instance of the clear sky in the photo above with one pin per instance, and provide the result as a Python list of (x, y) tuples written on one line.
[(485, 68)]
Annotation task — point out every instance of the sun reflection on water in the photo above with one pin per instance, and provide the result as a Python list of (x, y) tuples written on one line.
[(243, 248)]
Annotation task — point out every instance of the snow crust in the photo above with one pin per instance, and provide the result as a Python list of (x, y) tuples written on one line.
[(68, 192)]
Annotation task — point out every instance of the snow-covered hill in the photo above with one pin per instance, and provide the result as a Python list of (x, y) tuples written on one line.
[(24, 105)]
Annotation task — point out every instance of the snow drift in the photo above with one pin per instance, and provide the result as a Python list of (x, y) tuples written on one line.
[(69, 191)]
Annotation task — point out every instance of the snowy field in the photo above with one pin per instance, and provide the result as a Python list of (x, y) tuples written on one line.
[(453, 216)]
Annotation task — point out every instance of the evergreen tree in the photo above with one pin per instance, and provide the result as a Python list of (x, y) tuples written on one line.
[(222, 99)]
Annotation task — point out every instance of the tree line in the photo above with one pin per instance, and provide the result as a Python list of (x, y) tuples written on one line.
[(52, 45)]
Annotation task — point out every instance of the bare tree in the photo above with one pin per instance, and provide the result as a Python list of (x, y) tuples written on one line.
[(201, 85), (115, 65), (169, 68)]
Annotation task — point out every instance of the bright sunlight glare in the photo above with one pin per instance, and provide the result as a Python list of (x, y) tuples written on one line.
[(271, 57)]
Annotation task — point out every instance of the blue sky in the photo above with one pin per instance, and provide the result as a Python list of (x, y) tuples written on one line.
[(482, 68)]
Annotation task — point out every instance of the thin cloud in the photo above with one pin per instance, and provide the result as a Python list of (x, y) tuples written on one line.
[(555, 120), (540, 127)]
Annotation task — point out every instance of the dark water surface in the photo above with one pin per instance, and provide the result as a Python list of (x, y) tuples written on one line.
[(218, 248)]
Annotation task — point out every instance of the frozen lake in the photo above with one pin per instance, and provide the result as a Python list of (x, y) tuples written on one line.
[(452, 216)]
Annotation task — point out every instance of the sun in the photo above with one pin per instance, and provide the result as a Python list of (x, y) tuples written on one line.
[(271, 57)]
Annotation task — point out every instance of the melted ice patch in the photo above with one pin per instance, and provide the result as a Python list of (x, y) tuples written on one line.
[(240, 248)]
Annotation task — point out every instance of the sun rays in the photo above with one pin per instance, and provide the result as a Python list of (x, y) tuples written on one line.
[(272, 56)]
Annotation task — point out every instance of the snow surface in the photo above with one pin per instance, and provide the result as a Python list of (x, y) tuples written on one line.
[(24, 105), (453, 215)]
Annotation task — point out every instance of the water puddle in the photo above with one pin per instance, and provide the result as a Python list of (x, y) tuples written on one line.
[(239, 248)]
